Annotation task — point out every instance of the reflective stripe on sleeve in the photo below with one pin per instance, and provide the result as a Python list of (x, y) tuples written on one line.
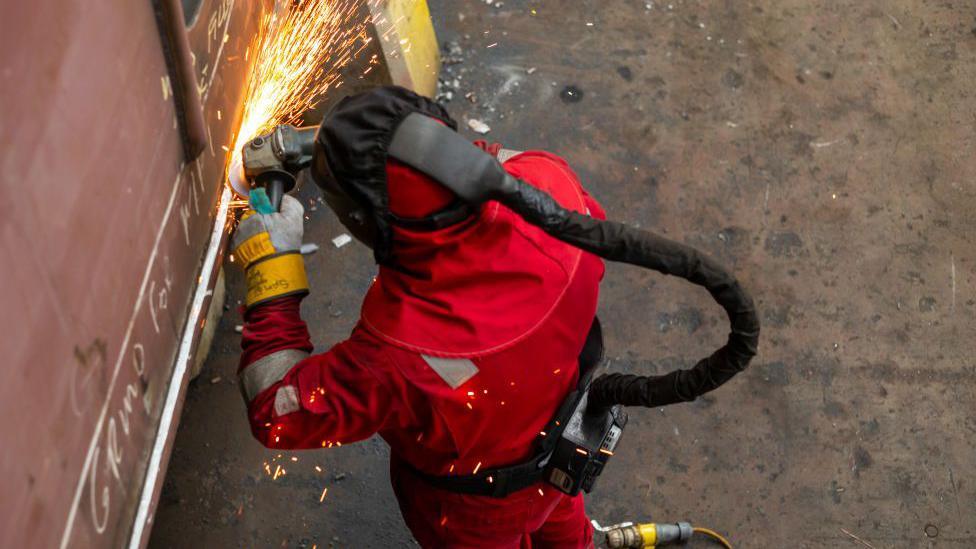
[(268, 370), (286, 400)]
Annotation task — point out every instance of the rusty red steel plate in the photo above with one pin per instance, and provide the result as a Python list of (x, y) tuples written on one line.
[(104, 235)]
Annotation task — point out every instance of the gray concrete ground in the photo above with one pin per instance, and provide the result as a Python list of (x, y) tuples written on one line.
[(824, 150)]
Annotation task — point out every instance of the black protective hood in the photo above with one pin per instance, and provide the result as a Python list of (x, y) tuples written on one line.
[(352, 149)]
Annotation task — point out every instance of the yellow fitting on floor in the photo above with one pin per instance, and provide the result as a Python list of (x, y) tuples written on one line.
[(648, 533)]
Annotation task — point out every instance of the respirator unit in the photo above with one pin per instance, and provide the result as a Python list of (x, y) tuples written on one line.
[(347, 158)]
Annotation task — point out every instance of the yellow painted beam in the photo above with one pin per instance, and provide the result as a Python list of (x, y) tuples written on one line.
[(409, 44)]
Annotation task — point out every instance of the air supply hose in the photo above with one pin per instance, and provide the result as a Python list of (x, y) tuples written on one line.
[(625, 244), (712, 534)]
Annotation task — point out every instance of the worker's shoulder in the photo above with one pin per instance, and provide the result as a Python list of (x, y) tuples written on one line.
[(548, 172), (532, 164)]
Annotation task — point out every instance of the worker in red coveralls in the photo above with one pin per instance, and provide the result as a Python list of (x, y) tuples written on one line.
[(468, 340)]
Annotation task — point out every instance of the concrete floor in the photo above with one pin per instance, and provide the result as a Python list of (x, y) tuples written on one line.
[(824, 150)]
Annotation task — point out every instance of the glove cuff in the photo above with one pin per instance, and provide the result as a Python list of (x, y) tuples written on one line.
[(254, 249), (275, 276)]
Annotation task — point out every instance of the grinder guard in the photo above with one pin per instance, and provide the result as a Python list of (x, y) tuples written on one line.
[(272, 160)]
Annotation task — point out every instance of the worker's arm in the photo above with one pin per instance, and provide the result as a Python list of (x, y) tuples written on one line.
[(300, 401), (296, 400)]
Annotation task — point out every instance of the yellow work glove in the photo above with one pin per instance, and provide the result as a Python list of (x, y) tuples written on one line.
[(268, 245)]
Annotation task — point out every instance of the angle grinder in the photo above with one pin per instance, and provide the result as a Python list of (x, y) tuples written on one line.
[(271, 161)]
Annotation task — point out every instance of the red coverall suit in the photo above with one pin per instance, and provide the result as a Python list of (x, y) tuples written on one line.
[(459, 360)]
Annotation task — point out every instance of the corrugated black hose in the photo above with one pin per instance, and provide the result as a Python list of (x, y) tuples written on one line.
[(621, 243)]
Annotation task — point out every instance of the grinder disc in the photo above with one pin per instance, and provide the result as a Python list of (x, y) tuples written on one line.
[(235, 176)]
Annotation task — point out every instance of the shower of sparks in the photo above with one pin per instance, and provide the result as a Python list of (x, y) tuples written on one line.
[(298, 54)]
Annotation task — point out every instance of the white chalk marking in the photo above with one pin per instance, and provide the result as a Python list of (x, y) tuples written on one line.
[(178, 381), (66, 536), (229, 6)]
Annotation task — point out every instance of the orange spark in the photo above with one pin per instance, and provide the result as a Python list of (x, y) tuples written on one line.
[(300, 52), (322, 497), (476, 467)]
